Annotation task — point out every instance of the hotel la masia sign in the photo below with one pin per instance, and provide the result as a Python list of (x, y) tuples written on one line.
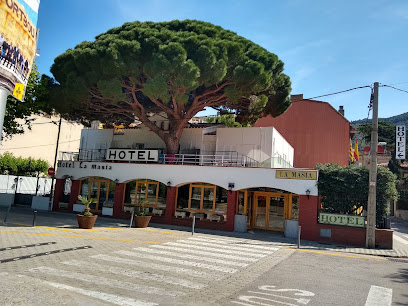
[(84, 165)]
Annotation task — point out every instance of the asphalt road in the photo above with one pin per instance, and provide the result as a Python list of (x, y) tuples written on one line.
[(328, 278)]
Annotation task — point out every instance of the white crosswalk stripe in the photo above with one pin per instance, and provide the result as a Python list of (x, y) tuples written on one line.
[(171, 269), (98, 280), (137, 274), (256, 248), (159, 267), (379, 296), (188, 244), (187, 256), (187, 249), (111, 298), (178, 261)]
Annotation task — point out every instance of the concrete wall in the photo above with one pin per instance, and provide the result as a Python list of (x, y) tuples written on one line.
[(260, 144), (402, 214), (41, 140), (317, 132), (243, 178)]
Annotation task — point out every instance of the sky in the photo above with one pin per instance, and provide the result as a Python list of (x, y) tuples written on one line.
[(326, 46)]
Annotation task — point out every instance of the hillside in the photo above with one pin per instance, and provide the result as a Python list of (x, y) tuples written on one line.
[(401, 119)]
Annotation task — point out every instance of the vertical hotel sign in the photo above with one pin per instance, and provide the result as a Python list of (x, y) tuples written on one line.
[(400, 141), (18, 43)]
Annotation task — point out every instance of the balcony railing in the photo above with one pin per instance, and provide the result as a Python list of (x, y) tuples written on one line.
[(222, 159)]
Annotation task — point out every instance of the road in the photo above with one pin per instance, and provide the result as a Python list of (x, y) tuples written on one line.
[(116, 265)]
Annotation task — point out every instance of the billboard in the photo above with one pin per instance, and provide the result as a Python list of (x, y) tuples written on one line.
[(18, 43)]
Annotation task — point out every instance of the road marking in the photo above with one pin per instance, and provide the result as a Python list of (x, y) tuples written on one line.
[(242, 244), (229, 246), (82, 237), (334, 254), (213, 249), (137, 274), (399, 239), (252, 299), (26, 246), (187, 249), (44, 253), (78, 231), (111, 298), (159, 231), (379, 296), (103, 281), (178, 261), (187, 256), (154, 266)]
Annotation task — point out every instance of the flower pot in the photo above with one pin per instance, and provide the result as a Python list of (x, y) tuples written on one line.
[(86, 222), (142, 221)]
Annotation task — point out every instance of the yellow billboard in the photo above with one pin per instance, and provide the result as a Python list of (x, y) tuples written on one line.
[(18, 41)]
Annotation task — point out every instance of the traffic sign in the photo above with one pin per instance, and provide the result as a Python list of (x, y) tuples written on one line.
[(51, 171), (400, 137), (18, 91)]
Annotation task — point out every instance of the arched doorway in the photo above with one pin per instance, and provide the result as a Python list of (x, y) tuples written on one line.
[(99, 188)]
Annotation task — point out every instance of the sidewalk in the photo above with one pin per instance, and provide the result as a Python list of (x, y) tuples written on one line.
[(23, 217)]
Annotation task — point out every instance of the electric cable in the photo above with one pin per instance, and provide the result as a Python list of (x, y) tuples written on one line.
[(51, 144)]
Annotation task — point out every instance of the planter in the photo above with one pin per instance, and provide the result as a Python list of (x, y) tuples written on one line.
[(158, 212), (240, 223), (291, 228), (181, 214), (107, 211), (142, 221), (86, 222), (40, 203)]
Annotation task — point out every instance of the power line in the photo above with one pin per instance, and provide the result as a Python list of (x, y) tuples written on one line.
[(52, 144), (338, 92), (395, 88)]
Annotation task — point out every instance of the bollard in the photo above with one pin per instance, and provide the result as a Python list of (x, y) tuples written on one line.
[(34, 217), (298, 242), (131, 219), (192, 229), (6, 217)]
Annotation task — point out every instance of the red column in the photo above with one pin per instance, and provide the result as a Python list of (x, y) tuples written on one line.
[(118, 199), (308, 208), (76, 184), (58, 191), (170, 204), (231, 206)]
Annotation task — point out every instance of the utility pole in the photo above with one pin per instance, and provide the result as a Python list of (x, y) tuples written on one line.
[(55, 164), (371, 207)]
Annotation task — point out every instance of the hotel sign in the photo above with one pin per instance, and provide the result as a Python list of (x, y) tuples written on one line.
[(400, 139), (338, 219), (296, 174), (132, 155)]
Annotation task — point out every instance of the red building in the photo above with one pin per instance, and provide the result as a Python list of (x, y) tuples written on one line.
[(317, 131)]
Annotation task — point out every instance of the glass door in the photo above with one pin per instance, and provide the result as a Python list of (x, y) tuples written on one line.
[(269, 210), (98, 190)]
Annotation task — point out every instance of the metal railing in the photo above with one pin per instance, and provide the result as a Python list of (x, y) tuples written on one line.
[(222, 159)]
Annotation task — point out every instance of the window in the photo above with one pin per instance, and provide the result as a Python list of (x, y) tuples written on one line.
[(202, 197), (154, 193)]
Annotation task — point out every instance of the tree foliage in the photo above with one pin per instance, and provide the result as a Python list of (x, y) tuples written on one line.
[(228, 120), (345, 189), (11, 165), (386, 133), (174, 68), (35, 101)]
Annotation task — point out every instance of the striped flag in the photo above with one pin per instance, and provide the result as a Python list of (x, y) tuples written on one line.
[(351, 155), (356, 154)]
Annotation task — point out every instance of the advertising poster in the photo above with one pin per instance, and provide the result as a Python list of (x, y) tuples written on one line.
[(18, 43)]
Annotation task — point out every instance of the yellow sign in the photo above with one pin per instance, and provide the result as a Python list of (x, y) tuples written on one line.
[(18, 91), (296, 174)]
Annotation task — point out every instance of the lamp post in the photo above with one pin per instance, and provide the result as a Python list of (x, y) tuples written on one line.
[(55, 164)]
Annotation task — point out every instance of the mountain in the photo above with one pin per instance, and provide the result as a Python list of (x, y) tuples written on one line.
[(401, 119)]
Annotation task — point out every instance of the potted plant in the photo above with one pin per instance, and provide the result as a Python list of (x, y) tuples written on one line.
[(86, 219), (141, 218)]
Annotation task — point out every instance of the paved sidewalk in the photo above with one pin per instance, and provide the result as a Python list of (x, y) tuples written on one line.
[(21, 217)]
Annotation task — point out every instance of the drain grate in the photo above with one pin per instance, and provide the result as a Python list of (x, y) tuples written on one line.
[(398, 260)]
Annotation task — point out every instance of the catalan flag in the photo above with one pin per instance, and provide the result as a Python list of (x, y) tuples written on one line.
[(356, 155)]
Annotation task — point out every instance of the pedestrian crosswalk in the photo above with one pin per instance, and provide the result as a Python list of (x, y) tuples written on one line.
[(148, 276)]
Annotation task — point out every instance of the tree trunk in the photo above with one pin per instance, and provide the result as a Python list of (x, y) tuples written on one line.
[(172, 145)]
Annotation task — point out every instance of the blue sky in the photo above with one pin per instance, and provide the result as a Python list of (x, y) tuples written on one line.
[(327, 46)]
